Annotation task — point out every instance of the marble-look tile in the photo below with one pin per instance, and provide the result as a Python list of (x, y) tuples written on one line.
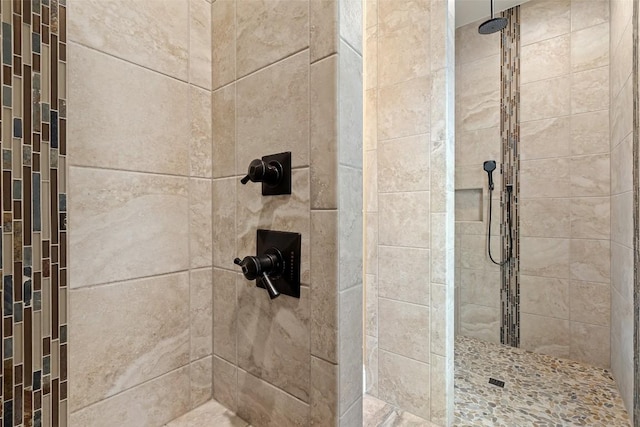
[(404, 329), (351, 20), (403, 164), (201, 307), (211, 413), (590, 48), (541, 20), (269, 31), (409, 283), (136, 130), (545, 296), (371, 58), (152, 34), (371, 243), (323, 129), (590, 133), (371, 365), (223, 120), (375, 411), (440, 310), (546, 335), (586, 13), (370, 127), (480, 287), (350, 347), (223, 45), (547, 98), (201, 375), (262, 404), (324, 285), (545, 217), (545, 257), (324, 393), (353, 416), (468, 205), (442, 248), (590, 217), (473, 252), (153, 403), (200, 225), (370, 13), (272, 109), (323, 28), (350, 227), (622, 219), (441, 178), (590, 90), (401, 229), (590, 303), (405, 383), (548, 138), (478, 94), (473, 147), (200, 43), (224, 222), (131, 238), (371, 305), (621, 13), (545, 178), (590, 344), (350, 100), (621, 62), (621, 118), (439, 391), (225, 312), (371, 181), (273, 339), (622, 270), (225, 383), (471, 46), (201, 132), (622, 170), (146, 325), (480, 322), (403, 109), (590, 260), (546, 59)]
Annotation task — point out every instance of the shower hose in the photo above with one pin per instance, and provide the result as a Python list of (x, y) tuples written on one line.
[(503, 263)]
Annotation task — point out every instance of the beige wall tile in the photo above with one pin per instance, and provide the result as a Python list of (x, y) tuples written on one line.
[(622, 219), (590, 260), (403, 164), (201, 307), (410, 283), (223, 45), (323, 28), (354, 415), (145, 330), (225, 383), (590, 175), (371, 365), (545, 178), (273, 340), (224, 132), (371, 305), (621, 60), (586, 13), (276, 95), (622, 166), (371, 13), (224, 222), (590, 48), (545, 217), (201, 376), (201, 133), (351, 17), (371, 58), (590, 303), (350, 347), (478, 94), (405, 382), (153, 403), (438, 395), (546, 335), (200, 224), (159, 29), (544, 19), (225, 313), (264, 405), (471, 46), (404, 329), (545, 296), (590, 344), (133, 240), (441, 307), (546, 59), (371, 181), (371, 243), (370, 126), (403, 109), (548, 138), (550, 98), (324, 132), (324, 392), (269, 31), (480, 322), (590, 90), (622, 270), (397, 228), (350, 99), (622, 114), (590, 217), (480, 287), (324, 285), (590, 133), (350, 223), (621, 12), (200, 43), (476, 146), (546, 257), (468, 205), (473, 252), (133, 131)]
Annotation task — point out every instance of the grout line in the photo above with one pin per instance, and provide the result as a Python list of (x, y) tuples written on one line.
[(101, 168), (264, 67), (133, 279)]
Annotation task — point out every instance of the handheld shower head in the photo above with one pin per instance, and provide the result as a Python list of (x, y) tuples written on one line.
[(489, 166)]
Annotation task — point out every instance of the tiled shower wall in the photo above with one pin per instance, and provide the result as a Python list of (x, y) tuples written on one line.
[(140, 210), (409, 205), (34, 224), (622, 295), (564, 187), (289, 362)]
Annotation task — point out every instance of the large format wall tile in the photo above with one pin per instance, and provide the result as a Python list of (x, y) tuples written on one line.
[(116, 215), (480, 322), (409, 283), (403, 109), (590, 303), (403, 164), (223, 109), (153, 403), (546, 257), (350, 347), (144, 330), (223, 42), (404, 329), (159, 28), (545, 335), (324, 392), (544, 19), (590, 217), (225, 383), (590, 90), (405, 383), (350, 227), (269, 31), (545, 217), (224, 222), (201, 313), (590, 260), (590, 48), (400, 229), (546, 59), (200, 43), (590, 133), (371, 305), (350, 100), (201, 376), (200, 227), (225, 314), (323, 28), (545, 296), (134, 132), (590, 344), (543, 139), (201, 132), (545, 99), (586, 13)]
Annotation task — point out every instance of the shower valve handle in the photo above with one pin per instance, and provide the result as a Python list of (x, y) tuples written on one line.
[(262, 267), (261, 171)]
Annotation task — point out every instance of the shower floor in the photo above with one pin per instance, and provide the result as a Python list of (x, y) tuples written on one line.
[(539, 390)]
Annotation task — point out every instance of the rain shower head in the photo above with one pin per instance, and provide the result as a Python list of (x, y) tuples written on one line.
[(493, 25)]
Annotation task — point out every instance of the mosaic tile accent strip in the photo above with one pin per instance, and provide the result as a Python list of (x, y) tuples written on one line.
[(636, 217), (33, 198), (539, 390), (510, 169)]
